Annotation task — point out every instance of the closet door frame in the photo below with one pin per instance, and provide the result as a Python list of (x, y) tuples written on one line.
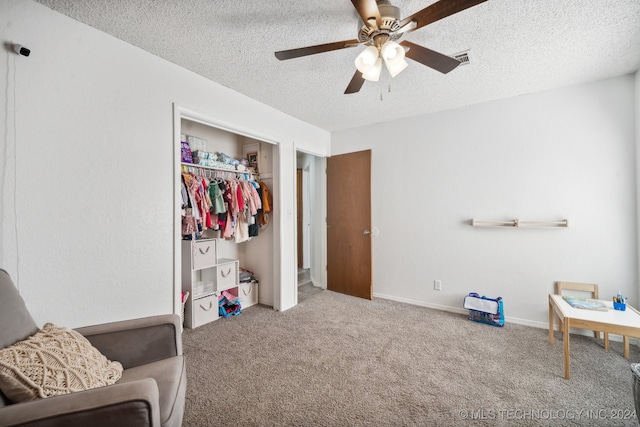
[(180, 113)]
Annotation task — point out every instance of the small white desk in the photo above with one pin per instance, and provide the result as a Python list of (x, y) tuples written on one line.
[(625, 323)]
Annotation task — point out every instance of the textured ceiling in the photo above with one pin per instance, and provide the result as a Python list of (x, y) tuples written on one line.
[(515, 47)]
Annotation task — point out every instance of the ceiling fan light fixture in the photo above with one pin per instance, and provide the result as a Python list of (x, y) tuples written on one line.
[(396, 67), (393, 55), (367, 59), (373, 73), (390, 50)]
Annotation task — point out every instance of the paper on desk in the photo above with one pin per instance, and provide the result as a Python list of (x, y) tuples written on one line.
[(586, 303)]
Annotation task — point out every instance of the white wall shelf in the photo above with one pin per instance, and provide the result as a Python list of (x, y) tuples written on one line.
[(519, 223)]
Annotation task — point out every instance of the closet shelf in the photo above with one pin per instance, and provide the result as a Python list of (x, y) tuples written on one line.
[(519, 223), (217, 169)]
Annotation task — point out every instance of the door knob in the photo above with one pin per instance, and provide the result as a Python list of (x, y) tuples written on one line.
[(374, 232)]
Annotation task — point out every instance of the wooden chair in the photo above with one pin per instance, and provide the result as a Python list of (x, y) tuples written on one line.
[(582, 287)]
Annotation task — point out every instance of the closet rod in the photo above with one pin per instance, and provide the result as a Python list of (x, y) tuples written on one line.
[(518, 223)]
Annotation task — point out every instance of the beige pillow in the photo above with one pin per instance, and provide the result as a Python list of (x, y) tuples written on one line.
[(53, 361)]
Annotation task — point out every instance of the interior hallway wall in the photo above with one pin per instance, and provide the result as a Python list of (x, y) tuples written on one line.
[(564, 154), (317, 229)]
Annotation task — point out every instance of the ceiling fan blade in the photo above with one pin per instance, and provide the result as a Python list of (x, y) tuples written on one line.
[(355, 84), (430, 58), (312, 50), (437, 11), (368, 9)]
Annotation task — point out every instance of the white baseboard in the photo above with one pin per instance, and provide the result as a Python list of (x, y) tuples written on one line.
[(507, 319), (458, 310), (317, 283)]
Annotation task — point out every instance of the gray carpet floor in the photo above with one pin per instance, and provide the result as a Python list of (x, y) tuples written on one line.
[(335, 360)]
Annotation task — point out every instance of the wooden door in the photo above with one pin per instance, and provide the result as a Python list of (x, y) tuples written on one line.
[(349, 264), (299, 212)]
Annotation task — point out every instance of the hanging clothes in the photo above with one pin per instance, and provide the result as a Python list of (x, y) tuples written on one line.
[(241, 232), (252, 197), (254, 227), (206, 204), (227, 230), (191, 220), (216, 195), (225, 201), (239, 196), (267, 202)]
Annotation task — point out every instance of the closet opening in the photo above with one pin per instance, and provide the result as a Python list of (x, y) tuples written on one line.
[(254, 252)]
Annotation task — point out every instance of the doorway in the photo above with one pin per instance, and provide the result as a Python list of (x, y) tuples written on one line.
[(310, 221)]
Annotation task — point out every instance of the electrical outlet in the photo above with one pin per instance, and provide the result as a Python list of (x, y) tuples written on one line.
[(437, 285)]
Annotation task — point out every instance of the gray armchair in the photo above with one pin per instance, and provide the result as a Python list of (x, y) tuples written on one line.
[(635, 369), (151, 391)]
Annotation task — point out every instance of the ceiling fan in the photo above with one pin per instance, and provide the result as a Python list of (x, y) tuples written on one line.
[(382, 27)]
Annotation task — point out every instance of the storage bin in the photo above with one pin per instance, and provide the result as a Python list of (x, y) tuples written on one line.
[(248, 294), (205, 310), (201, 289), (204, 254), (198, 289), (226, 275), (485, 310)]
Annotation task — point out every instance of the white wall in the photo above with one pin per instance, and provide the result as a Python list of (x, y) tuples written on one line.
[(259, 253), (87, 167), (567, 153), (319, 224), (305, 163)]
